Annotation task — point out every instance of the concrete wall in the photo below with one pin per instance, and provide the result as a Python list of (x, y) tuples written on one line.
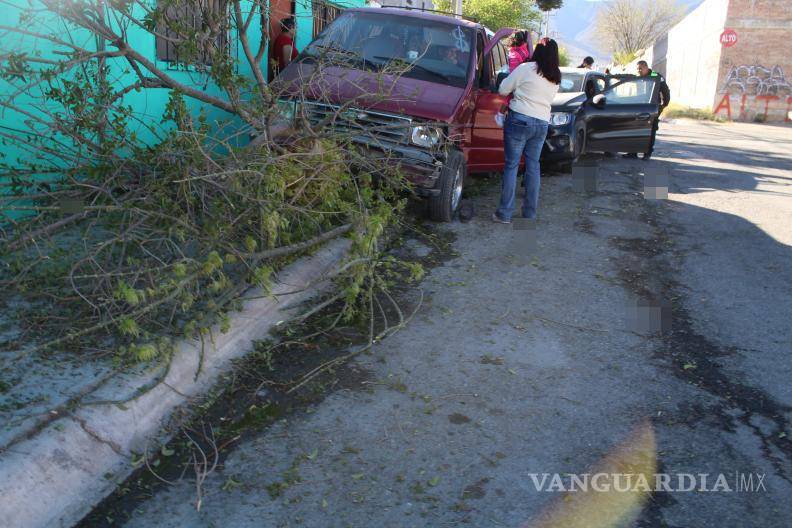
[(755, 78), (689, 57)]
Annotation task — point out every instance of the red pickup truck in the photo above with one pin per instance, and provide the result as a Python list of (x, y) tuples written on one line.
[(437, 120)]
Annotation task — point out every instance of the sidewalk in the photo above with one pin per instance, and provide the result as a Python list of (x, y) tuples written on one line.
[(61, 452)]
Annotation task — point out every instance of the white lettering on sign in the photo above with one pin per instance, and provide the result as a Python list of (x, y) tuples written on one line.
[(728, 38)]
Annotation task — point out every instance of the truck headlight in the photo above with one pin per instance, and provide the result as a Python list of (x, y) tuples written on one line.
[(426, 136), (560, 118)]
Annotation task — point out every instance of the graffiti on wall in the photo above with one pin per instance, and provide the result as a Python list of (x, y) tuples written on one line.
[(756, 80), (754, 86)]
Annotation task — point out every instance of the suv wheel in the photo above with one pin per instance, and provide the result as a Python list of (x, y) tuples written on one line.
[(452, 177)]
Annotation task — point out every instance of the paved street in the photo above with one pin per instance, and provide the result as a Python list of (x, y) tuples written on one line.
[(665, 321)]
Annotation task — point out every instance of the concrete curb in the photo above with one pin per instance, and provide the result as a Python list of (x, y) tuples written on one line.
[(55, 477)]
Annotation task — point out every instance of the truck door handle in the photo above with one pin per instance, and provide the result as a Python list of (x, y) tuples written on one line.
[(643, 116)]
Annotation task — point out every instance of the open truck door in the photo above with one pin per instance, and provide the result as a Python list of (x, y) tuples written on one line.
[(485, 151)]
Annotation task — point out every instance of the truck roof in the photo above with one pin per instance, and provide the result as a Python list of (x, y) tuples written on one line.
[(415, 13)]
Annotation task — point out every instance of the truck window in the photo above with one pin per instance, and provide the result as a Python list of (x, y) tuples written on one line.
[(484, 64), (421, 49), (501, 58), (634, 91)]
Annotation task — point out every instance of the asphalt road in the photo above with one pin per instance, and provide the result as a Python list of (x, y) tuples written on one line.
[(629, 325)]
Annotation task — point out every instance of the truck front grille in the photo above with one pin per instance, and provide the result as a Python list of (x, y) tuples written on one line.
[(357, 123)]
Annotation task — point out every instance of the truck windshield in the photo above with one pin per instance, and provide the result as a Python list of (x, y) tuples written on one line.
[(421, 49), (571, 82)]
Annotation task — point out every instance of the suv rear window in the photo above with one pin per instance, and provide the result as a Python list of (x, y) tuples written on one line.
[(426, 49)]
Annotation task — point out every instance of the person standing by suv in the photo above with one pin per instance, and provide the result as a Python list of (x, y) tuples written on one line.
[(518, 50), (665, 97), (518, 53), (533, 85), (587, 64), (283, 49)]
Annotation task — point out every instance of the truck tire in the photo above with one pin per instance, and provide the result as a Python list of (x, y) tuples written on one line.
[(452, 177)]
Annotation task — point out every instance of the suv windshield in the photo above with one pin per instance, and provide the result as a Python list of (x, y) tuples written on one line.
[(571, 82), (424, 49)]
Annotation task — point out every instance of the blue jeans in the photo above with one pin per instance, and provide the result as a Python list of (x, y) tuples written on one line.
[(522, 135)]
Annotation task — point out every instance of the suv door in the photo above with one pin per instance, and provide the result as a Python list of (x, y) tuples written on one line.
[(624, 122), (485, 151)]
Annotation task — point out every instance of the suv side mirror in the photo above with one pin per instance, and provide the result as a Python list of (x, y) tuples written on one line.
[(598, 101), (499, 79)]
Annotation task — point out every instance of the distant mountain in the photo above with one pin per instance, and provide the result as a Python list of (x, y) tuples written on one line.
[(572, 27)]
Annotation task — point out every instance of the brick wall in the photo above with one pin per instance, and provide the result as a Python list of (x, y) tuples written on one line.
[(755, 75)]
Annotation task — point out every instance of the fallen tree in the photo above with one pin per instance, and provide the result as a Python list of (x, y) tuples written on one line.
[(110, 245)]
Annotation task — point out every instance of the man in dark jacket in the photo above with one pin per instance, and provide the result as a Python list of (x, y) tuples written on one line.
[(665, 97)]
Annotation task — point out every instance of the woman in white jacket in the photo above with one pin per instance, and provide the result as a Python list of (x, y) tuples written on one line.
[(533, 85)]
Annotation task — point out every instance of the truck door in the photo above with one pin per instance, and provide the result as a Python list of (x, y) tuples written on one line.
[(623, 122), (485, 150)]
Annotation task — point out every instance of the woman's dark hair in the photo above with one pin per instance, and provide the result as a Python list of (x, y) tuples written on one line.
[(519, 38), (588, 61), (545, 56), (287, 24)]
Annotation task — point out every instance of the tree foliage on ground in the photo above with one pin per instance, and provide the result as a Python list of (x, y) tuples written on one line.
[(123, 246), (629, 26), (496, 14)]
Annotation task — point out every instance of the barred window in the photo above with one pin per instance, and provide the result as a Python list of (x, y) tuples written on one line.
[(196, 28), (323, 14)]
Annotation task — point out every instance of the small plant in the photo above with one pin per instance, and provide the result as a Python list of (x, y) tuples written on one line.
[(702, 114)]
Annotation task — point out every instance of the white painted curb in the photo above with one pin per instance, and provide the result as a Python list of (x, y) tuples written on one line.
[(55, 477)]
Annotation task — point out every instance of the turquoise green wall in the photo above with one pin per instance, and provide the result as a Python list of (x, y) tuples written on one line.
[(148, 104), (12, 121)]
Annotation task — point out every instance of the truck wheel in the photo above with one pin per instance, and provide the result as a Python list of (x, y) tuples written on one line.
[(452, 177)]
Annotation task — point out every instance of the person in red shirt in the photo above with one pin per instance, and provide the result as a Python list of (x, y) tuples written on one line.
[(283, 50)]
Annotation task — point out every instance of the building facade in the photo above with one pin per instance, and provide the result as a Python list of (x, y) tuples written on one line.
[(731, 56), (150, 104)]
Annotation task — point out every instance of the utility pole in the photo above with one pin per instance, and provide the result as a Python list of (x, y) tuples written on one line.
[(547, 24), (456, 8)]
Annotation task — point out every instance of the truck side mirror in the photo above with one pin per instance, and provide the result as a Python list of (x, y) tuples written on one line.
[(598, 101)]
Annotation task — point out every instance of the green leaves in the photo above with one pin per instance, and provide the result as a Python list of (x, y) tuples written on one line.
[(212, 263), (129, 327), (145, 352), (128, 294), (180, 270), (496, 14), (262, 277), (15, 67)]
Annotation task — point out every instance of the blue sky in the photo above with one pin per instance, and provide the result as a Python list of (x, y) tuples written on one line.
[(573, 24)]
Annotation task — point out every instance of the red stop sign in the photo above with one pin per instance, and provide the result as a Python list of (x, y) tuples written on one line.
[(728, 38)]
